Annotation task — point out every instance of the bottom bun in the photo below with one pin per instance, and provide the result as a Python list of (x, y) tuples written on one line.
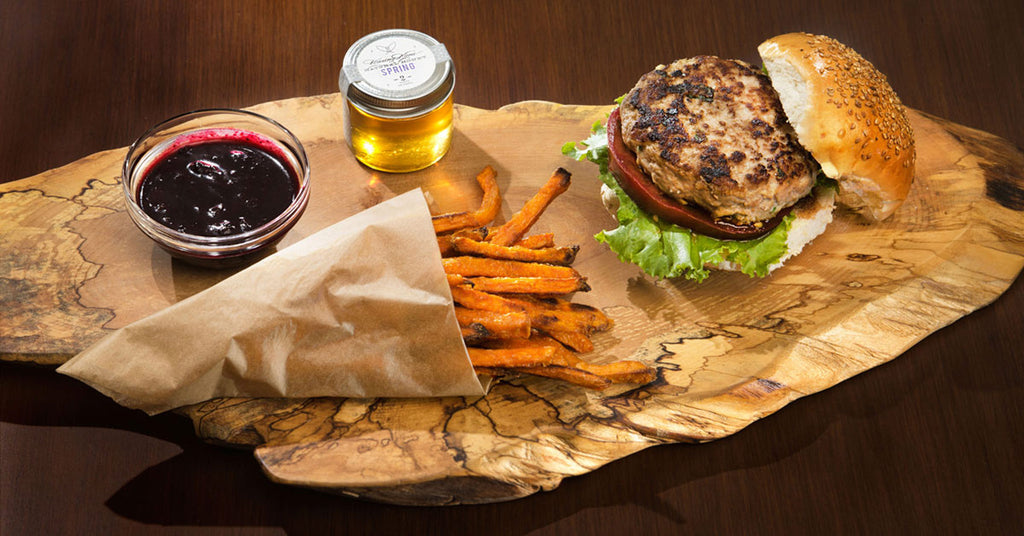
[(813, 214)]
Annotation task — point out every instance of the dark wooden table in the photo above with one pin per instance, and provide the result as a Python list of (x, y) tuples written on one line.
[(927, 443)]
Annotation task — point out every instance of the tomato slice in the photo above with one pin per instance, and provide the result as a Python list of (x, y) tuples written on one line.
[(642, 190)]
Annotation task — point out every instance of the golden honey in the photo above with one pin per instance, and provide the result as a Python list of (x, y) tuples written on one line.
[(399, 145), (398, 88)]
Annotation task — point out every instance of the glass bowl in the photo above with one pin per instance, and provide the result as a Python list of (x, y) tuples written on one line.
[(172, 140)]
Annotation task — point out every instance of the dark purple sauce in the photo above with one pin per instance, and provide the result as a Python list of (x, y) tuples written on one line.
[(218, 187)]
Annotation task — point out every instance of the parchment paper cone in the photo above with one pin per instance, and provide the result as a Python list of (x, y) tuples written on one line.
[(359, 309)]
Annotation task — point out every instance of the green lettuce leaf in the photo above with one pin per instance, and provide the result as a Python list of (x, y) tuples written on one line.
[(665, 250)]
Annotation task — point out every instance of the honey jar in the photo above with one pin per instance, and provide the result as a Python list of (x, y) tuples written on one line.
[(398, 87)]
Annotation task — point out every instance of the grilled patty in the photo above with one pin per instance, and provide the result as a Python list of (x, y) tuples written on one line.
[(711, 132)]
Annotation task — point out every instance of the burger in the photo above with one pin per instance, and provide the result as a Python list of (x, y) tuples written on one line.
[(711, 163)]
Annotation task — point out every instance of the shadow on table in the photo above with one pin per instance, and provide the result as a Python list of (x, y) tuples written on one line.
[(206, 485)]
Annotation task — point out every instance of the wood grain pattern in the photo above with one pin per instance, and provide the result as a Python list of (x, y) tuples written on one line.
[(729, 351)]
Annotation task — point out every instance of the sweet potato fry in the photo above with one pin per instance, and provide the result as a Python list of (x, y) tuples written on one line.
[(475, 334), (513, 357), (566, 374), (543, 286), (446, 242), (455, 280), (571, 375), (453, 221), (621, 371), (563, 304), (520, 223), (562, 353), (563, 256), (445, 245), (562, 315), (489, 207), (480, 233), (542, 240), (491, 202), (547, 315), (476, 299), (491, 371), (511, 325), (485, 267), (569, 371), (617, 372), (576, 340)]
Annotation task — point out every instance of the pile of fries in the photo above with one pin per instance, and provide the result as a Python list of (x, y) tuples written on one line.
[(511, 292)]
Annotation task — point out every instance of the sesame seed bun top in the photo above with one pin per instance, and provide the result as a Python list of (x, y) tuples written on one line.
[(847, 115)]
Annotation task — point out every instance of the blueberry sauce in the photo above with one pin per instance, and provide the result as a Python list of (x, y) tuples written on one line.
[(218, 186)]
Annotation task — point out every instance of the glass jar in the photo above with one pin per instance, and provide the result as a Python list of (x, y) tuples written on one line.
[(398, 88), (222, 175)]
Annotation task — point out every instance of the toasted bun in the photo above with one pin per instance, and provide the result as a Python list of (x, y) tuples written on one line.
[(848, 117), (813, 214)]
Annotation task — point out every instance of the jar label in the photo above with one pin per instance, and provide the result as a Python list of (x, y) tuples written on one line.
[(396, 63)]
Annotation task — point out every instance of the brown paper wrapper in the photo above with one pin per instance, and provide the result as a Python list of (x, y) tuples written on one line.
[(360, 309)]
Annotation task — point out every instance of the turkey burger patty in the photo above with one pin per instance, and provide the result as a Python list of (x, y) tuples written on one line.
[(711, 132)]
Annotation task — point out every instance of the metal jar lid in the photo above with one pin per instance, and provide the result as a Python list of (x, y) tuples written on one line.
[(397, 73)]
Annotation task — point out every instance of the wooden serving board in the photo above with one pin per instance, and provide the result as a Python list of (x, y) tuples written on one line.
[(729, 351)]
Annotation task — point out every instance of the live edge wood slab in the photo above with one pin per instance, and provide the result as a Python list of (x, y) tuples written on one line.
[(728, 351)]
